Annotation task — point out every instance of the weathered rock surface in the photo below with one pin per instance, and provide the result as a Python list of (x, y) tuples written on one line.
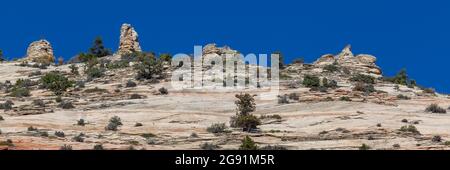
[(40, 51), (362, 63), (129, 40)]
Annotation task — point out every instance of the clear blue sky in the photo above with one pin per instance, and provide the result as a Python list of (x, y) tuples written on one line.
[(402, 34)]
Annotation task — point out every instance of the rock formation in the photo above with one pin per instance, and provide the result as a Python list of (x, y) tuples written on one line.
[(129, 40), (40, 51), (363, 63)]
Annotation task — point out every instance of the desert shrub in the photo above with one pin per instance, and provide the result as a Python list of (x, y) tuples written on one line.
[(39, 102), (436, 139), (247, 122), (114, 123), (294, 96), (402, 79), (329, 84), (270, 117), (138, 125), (362, 78), (364, 147), (163, 91), (98, 147), (20, 92), (7, 105), (434, 108), (136, 96), (403, 97), (345, 98), (273, 148), (283, 99), (56, 82), (131, 83), (1, 118), (8, 143), (94, 72), (81, 122), (148, 135), (429, 90), (194, 135), (66, 105), (166, 58), (367, 88), (209, 146), (217, 128), (311, 81), (60, 134), (148, 67), (410, 129), (58, 99), (404, 120), (35, 73), (44, 134), (248, 144), (299, 60), (96, 90), (74, 69), (2, 58), (32, 129), (331, 68), (66, 147), (79, 137)]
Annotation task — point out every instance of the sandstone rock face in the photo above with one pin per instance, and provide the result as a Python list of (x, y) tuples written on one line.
[(129, 40), (40, 51), (213, 49), (326, 59), (345, 55)]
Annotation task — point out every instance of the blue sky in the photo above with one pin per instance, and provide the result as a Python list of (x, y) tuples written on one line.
[(401, 34)]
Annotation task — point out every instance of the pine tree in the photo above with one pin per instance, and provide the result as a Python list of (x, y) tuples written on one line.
[(98, 49), (248, 144)]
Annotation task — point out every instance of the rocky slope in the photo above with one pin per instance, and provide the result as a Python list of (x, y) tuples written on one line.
[(342, 116)]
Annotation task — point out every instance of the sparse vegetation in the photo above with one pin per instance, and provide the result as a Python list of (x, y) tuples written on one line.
[(81, 122), (163, 91), (409, 129), (74, 69), (135, 96), (366, 88), (8, 143), (311, 81), (56, 82), (98, 147), (217, 128), (66, 105), (66, 147), (294, 96), (114, 123), (98, 49), (248, 144), (362, 78), (209, 146), (273, 148), (436, 139), (32, 129), (331, 68), (8, 105), (403, 97), (401, 78), (345, 98), (138, 125), (130, 84), (39, 102), (434, 108), (283, 99), (96, 90), (148, 67), (60, 134), (364, 147), (79, 137)]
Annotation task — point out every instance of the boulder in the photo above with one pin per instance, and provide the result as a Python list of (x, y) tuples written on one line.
[(40, 51), (326, 59), (129, 40)]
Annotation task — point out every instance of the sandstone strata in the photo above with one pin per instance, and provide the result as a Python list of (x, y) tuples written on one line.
[(40, 51), (129, 40)]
